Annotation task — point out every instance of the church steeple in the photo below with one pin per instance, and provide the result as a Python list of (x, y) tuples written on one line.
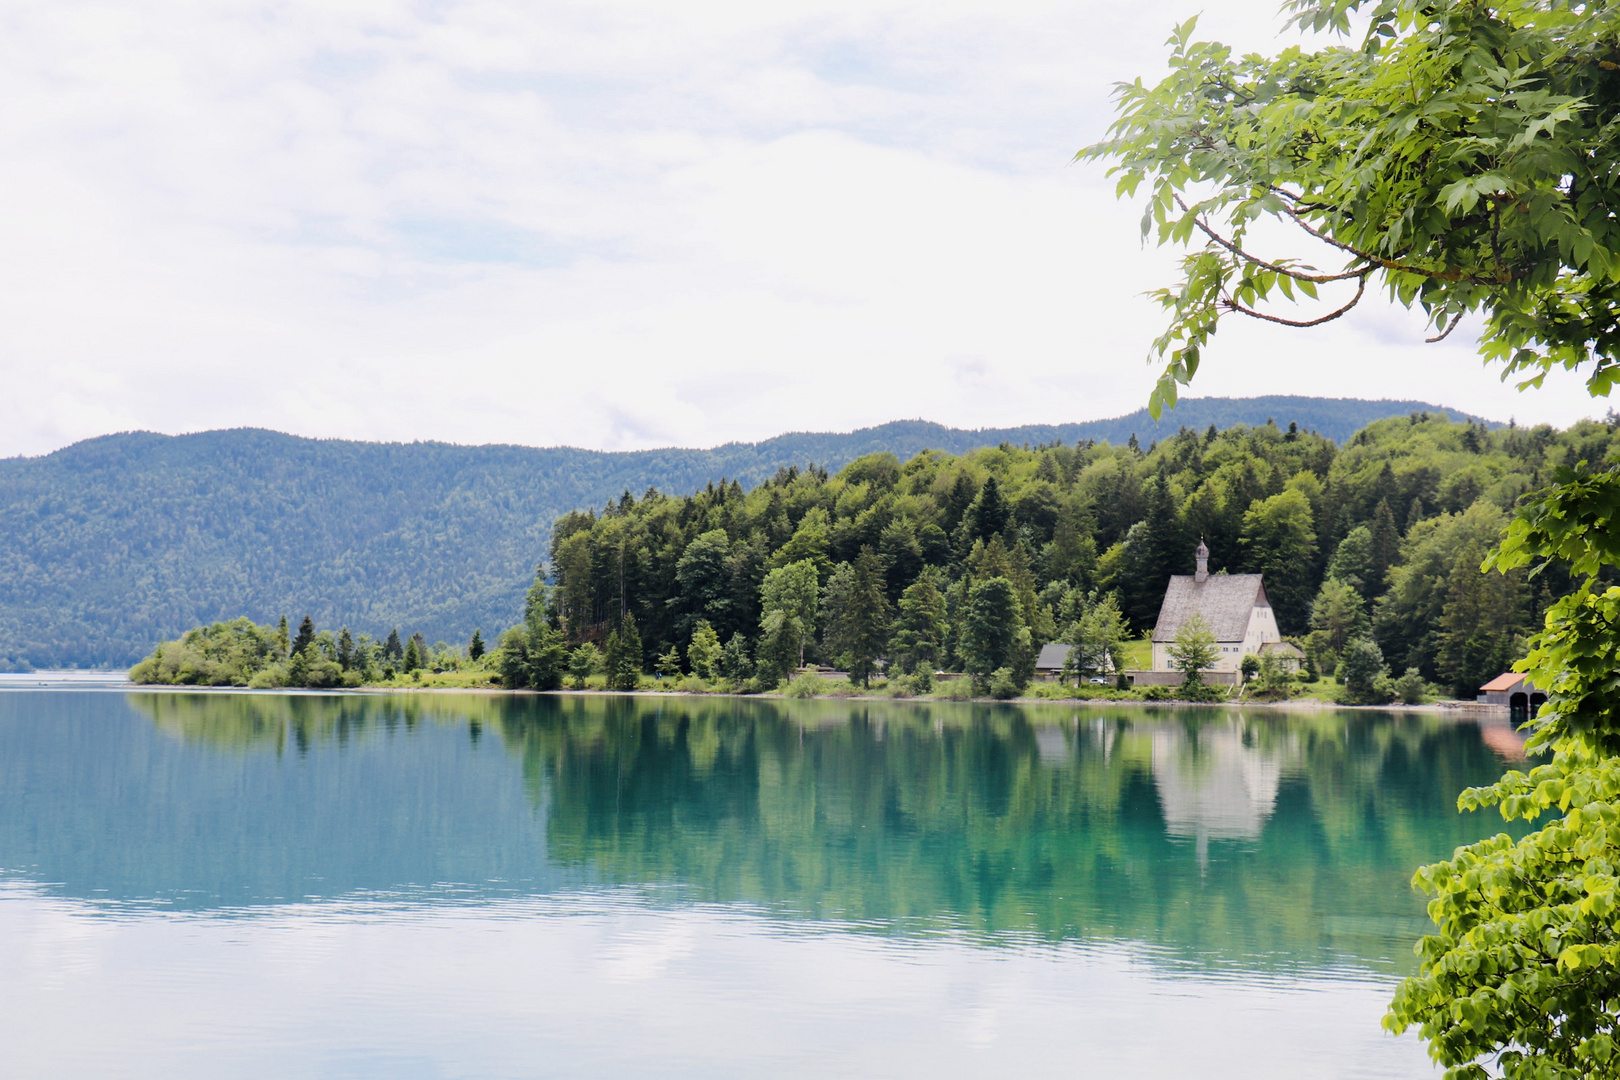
[(1203, 562)]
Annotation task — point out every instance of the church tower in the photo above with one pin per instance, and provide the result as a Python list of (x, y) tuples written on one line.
[(1203, 563)]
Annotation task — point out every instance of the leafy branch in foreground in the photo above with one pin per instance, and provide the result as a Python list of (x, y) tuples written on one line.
[(1462, 156), (1525, 966)]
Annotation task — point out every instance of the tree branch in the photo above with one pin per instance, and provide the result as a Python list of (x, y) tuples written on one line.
[(1442, 335), (1232, 305), (1316, 279)]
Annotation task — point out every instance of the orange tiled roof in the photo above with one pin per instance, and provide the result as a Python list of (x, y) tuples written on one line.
[(1503, 682)]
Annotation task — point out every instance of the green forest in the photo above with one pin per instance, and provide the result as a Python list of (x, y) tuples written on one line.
[(114, 543), (970, 563), (892, 570)]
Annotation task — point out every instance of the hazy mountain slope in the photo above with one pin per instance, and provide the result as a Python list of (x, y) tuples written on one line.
[(112, 544)]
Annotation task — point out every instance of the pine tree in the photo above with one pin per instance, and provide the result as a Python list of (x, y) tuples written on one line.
[(1386, 546), (306, 635), (1168, 548), (961, 497), (991, 626), (282, 638), (704, 653), (622, 659), (921, 632), (735, 663), (990, 512), (392, 649), (583, 662), (345, 650), (475, 648), (1414, 514), (1279, 540), (298, 669), (413, 655), (858, 624), (1481, 623)]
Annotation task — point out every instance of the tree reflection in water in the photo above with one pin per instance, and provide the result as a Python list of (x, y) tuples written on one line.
[(1251, 836)]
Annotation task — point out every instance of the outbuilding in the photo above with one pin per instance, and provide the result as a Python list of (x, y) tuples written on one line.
[(1515, 691), (1049, 664)]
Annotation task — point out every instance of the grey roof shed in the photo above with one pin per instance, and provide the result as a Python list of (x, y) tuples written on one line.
[(1052, 657)]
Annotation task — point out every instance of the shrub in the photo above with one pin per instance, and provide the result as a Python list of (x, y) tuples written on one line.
[(1361, 670), (1004, 684), (807, 685), (1411, 688), (954, 690), (268, 678)]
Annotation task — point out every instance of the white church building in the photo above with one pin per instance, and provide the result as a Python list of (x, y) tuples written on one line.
[(1234, 605)]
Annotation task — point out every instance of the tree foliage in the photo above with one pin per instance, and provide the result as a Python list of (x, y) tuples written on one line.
[(1075, 520), (1193, 652), (1458, 156), (1462, 155)]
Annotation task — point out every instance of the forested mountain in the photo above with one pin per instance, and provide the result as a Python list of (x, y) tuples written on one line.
[(1384, 536), (115, 543)]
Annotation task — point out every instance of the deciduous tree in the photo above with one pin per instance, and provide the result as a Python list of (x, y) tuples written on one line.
[(1462, 155), (1193, 653)]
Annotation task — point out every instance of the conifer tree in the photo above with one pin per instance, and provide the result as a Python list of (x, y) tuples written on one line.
[(735, 663), (1279, 541), (306, 635), (475, 648), (583, 662), (991, 627), (622, 660), (392, 649), (1480, 625), (990, 514), (703, 654), (1385, 547), (345, 650), (283, 641), (858, 615), (921, 632)]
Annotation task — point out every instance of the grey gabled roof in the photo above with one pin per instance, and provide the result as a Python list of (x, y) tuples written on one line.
[(1052, 657), (1224, 600)]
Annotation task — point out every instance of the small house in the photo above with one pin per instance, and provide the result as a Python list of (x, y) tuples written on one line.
[(1285, 653), (1049, 664), (1515, 691), (1234, 605)]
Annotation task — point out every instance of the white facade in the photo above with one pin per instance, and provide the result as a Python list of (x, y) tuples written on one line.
[(1262, 628)]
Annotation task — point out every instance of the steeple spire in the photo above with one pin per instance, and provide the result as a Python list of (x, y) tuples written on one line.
[(1203, 562)]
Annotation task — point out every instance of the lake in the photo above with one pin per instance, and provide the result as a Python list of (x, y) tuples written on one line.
[(274, 885)]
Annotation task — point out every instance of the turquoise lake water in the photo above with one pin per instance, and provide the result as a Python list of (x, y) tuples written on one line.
[(279, 885)]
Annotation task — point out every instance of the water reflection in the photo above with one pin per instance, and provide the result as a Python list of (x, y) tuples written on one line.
[(1271, 840)]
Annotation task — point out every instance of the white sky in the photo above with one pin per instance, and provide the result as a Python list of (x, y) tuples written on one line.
[(613, 225)]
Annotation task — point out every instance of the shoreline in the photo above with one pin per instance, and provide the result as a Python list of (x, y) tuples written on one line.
[(98, 681)]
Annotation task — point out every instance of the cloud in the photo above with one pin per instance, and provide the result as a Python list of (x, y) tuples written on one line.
[(611, 225)]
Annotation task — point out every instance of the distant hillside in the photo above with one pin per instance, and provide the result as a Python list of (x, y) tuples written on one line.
[(115, 543)]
